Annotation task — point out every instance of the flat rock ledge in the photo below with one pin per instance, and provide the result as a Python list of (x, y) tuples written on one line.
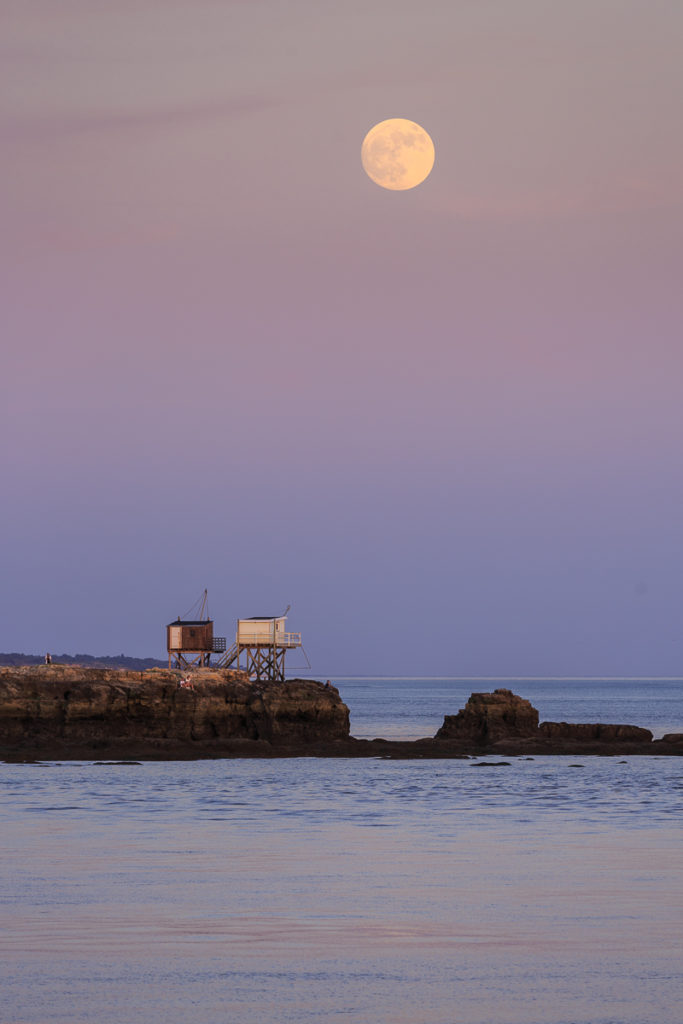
[(75, 713), (70, 713)]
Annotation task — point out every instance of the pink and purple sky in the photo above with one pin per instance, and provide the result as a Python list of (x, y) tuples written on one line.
[(444, 424)]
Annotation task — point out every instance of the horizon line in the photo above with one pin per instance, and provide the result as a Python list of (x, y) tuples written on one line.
[(526, 679)]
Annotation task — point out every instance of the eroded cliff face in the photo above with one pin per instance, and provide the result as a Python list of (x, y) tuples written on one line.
[(65, 711)]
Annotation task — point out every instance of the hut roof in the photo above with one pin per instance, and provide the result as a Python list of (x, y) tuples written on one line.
[(191, 622)]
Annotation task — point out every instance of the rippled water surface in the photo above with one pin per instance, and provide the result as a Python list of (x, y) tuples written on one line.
[(544, 891)]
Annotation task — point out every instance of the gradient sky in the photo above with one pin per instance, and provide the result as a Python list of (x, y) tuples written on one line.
[(444, 424)]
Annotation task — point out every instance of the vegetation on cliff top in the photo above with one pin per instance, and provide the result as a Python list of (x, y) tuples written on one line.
[(88, 660)]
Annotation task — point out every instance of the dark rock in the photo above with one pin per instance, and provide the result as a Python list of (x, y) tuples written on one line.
[(595, 732), (66, 712), (59, 711), (118, 764), (671, 743), (504, 724), (488, 717)]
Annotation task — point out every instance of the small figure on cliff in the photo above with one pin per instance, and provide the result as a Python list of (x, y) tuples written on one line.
[(48, 658)]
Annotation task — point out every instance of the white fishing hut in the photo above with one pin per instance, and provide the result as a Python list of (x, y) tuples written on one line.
[(262, 641)]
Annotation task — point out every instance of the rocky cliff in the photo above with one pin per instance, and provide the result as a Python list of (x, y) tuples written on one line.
[(63, 711)]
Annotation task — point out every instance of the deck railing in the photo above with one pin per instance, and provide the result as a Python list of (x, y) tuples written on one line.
[(265, 640)]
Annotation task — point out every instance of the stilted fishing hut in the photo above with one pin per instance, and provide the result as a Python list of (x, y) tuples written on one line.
[(260, 646), (190, 641)]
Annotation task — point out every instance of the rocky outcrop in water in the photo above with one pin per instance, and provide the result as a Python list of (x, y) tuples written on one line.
[(67, 712), (507, 724), (596, 732), (488, 717)]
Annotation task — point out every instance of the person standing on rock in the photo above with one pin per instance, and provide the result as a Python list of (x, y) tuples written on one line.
[(48, 658)]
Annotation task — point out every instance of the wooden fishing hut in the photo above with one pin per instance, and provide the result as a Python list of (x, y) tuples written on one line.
[(190, 642)]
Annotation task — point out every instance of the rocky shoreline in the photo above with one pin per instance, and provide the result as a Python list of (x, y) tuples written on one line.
[(73, 713)]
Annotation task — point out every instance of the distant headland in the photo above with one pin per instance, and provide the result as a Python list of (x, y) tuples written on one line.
[(72, 712)]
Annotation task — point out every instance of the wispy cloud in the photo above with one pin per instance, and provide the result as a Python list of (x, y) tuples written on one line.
[(16, 127), (659, 190)]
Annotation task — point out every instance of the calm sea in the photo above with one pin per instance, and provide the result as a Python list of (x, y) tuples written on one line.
[(399, 708), (544, 891)]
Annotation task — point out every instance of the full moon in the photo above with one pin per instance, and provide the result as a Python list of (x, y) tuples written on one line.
[(397, 154)]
